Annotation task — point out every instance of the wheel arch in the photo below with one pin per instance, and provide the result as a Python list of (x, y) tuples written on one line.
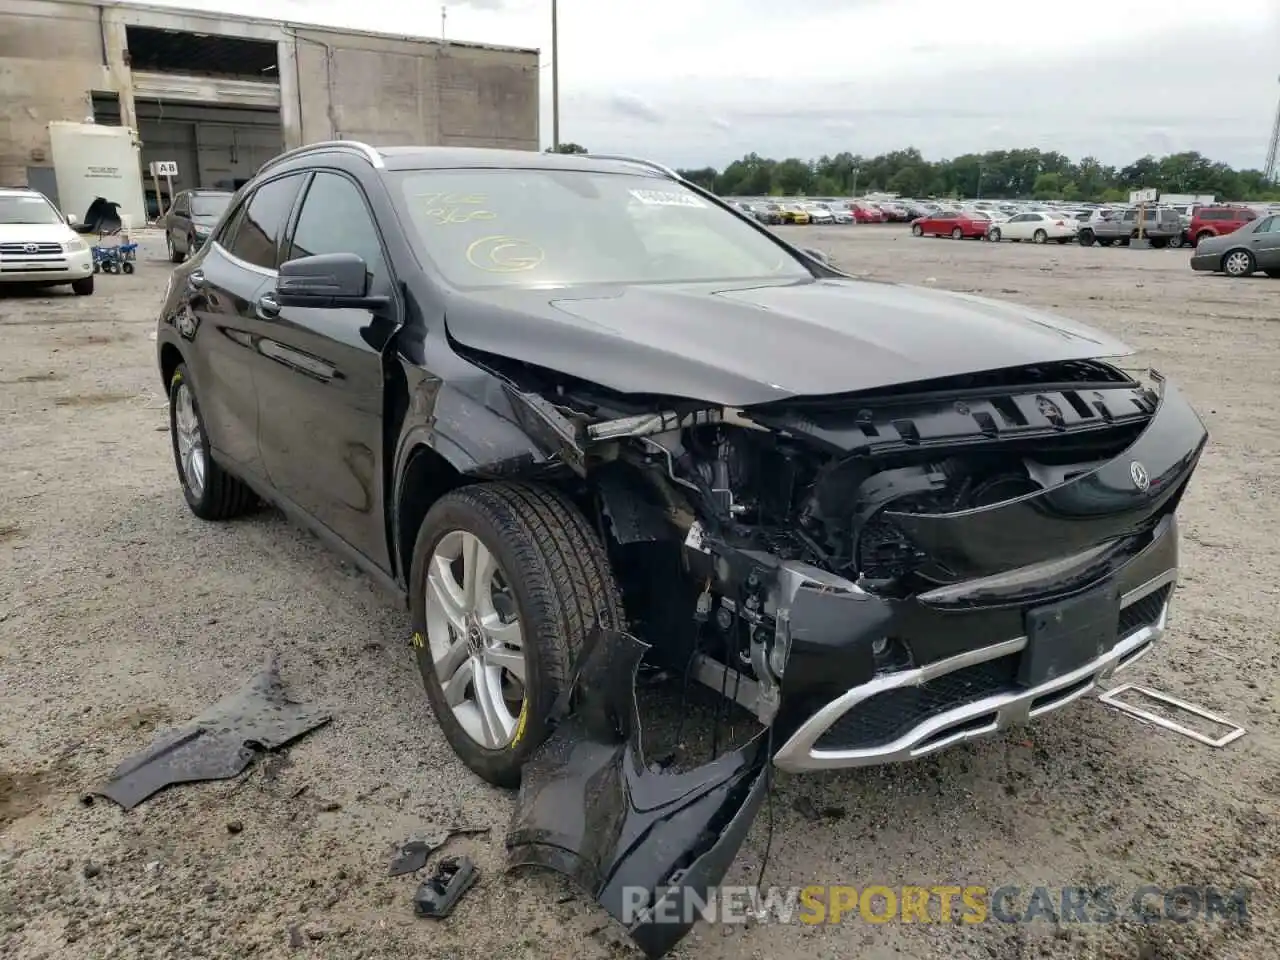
[(427, 476), (170, 358)]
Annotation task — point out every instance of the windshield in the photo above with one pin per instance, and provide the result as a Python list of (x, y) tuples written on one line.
[(209, 204), (32, 209), (525, 227)]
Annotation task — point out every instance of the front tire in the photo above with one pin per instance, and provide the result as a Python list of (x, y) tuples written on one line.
[(174, 255), (211, 492), (1040, 236), (83, 287), (917, 230), (1086, 238), (957, 234), (507, 583), (994, 235)]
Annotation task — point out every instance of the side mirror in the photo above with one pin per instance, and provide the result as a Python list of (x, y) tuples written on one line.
[(329, 280), (69, 217), (818, 255)]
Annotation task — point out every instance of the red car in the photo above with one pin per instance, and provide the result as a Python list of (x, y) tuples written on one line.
[(866, 213), (1217, 221), (957, 226)]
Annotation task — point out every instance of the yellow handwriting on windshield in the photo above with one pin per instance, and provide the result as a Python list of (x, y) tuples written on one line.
[(453, 199), (500, 254), (442, 216)]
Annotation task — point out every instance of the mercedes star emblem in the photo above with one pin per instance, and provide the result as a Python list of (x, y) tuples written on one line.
[(1139, 474)]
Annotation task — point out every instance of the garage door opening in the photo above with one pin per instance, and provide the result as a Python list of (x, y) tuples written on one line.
[(210, 104)]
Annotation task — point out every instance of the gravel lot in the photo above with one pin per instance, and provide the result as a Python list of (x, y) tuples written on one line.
[(120, 613)]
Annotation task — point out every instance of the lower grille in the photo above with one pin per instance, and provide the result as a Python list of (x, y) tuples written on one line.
[(889, 715), (1145, 611), (883, 718)]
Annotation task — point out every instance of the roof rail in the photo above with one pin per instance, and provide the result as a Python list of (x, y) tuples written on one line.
[(351, 146), (640, 161)]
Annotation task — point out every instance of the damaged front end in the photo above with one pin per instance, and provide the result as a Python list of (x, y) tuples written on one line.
[(873, 576), (644, 843), (857, 568)]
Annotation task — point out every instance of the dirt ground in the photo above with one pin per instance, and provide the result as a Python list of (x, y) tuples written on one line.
[(120, 613)]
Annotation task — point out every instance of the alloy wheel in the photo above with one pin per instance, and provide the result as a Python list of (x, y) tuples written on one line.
[(475, 639), (190, 438)]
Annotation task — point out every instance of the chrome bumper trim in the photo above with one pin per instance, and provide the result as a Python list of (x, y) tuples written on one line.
[(800, 755)]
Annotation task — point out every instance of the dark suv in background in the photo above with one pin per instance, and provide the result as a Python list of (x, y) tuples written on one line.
[(187, 224)]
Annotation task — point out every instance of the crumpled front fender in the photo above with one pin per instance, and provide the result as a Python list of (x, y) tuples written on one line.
[(649, 846)]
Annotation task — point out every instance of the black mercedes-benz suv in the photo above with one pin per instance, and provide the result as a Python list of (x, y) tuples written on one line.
[(576, 411)]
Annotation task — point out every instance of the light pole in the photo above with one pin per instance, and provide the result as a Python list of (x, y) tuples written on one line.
[(555, 79)]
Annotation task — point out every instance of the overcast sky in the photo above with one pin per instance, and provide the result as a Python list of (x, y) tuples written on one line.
[(697, 82)]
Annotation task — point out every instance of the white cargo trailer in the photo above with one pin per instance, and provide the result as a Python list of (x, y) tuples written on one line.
[(90, 161)]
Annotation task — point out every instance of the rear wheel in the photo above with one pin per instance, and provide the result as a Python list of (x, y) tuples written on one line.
[(211, 492), (1238, 263), (1040, 236), (917, 230), (174, 255), (1202, 235), (957, 234), (508, 581)]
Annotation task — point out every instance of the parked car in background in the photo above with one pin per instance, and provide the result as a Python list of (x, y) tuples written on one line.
[(864, 212), (1255, 246), (769, 213), (819, 213), (1036, 227), (191, 219), (894, 212), (957, 226), (1216, 221), (38, 246), (794, 213), (1160, 225)]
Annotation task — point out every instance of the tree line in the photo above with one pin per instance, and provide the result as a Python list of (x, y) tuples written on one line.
[(1023, 174)]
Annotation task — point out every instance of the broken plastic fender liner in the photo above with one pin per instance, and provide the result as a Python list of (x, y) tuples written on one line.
[(590, 808)]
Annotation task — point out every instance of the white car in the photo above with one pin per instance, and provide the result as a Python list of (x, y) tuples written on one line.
[(1038, 227), (819, 213), (37, 245)]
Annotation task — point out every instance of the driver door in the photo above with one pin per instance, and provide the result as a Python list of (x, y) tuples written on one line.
[(321, 391)]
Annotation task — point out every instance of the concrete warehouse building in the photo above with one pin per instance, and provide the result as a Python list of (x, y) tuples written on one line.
[(220, 94)]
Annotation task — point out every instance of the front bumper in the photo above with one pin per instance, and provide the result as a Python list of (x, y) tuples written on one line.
[(1209, 262), (908, 714), (46, 268)]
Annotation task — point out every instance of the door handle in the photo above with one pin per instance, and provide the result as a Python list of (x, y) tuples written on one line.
[(268, 307), (196, 279)]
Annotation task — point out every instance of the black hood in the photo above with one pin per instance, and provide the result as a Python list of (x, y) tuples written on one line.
[(737, 345)]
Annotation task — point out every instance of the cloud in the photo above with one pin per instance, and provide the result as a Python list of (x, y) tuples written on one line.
[(629, 105)]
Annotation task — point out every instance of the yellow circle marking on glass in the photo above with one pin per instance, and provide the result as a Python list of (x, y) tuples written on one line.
[(503, 254)]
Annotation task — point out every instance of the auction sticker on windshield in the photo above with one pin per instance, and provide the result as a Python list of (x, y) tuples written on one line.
[(662, 198)]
